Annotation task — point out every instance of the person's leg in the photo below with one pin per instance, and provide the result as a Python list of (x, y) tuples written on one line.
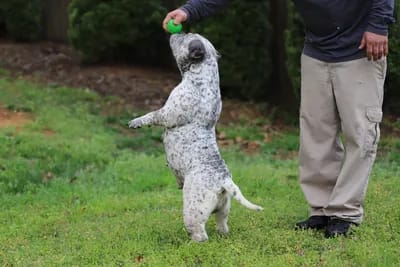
[(358, 88), (321, 151)]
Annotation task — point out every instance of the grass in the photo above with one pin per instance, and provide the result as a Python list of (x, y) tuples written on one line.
[(78, 189)]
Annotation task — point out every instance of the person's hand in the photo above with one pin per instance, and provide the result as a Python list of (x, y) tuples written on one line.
[(376, 45), (178, 15)]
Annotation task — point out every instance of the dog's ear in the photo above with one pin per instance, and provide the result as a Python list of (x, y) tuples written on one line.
[(197, 51)]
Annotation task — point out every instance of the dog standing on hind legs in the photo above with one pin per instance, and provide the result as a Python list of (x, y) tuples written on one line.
[(189, 117)]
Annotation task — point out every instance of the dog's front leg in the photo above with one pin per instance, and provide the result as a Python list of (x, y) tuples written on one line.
[(146, 120), (159, 117)]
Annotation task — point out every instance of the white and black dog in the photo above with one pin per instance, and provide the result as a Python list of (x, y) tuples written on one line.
[(189, 117)]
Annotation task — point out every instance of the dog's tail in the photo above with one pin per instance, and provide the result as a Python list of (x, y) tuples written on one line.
[(235, 192)]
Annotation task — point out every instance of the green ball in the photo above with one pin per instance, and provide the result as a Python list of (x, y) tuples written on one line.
[(174, 28)]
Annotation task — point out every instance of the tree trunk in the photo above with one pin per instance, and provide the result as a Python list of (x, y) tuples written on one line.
[(55, 20), (283, 94)]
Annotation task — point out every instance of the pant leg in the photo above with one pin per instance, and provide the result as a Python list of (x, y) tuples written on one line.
[(358, 89), (321, 151)]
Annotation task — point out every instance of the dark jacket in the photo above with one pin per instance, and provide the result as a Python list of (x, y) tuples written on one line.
[(334, 28)]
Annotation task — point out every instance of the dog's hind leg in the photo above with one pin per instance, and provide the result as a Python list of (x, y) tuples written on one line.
[(196, 229), (222, 213), (198, 204)]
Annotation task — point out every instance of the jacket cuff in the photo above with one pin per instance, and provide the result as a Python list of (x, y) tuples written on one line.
[(189, 17), (378, 25)]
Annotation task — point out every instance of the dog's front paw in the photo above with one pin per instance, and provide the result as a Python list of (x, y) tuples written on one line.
[(136, 123)]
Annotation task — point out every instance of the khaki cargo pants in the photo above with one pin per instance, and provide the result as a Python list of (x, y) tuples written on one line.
[(339, 99)]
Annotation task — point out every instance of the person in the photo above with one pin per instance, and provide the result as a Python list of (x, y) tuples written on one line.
[(343, 69)]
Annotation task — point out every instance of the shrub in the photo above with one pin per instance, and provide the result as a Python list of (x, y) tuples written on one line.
[(392, 92), (241, 35), (22, 19), (116, 29)]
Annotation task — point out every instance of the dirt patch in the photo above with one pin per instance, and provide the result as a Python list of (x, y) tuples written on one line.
[(234, 111), (57, 64), (10, 118), (48, 132), (143, 88)]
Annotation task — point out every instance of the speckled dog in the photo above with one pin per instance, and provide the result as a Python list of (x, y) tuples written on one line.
[(189, 118)]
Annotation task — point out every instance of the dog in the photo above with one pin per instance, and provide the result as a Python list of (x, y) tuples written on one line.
[(189, 117)]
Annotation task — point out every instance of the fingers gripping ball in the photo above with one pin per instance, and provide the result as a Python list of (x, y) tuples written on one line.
[(174, 28)]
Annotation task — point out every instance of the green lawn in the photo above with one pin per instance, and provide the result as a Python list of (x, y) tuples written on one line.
[(79, 189)]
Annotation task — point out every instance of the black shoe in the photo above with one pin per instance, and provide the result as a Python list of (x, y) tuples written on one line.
[(337, 227), (314, 222)]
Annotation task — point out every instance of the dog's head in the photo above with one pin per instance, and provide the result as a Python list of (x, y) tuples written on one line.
[(192, 50)]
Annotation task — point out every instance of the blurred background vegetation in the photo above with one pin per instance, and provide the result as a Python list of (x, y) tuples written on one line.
[(260, 41)]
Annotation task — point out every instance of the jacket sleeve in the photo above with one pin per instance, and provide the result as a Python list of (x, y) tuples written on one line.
[(198, 9), (381, 16)]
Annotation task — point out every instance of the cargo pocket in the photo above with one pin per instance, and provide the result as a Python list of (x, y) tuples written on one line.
[(372, 133)]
